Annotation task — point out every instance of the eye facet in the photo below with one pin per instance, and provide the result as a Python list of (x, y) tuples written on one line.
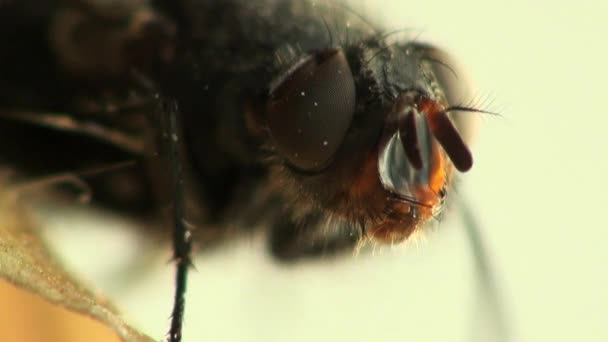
[(311, 108)]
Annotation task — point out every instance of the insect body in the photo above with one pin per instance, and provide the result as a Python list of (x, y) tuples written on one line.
[(294, 114), (353, 133)]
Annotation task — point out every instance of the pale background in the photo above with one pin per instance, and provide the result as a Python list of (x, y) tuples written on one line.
[(538, 187)]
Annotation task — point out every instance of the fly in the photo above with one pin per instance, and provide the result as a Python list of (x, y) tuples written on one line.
[(296, 115)]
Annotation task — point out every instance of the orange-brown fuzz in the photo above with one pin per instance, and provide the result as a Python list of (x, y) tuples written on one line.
[(392, 220)]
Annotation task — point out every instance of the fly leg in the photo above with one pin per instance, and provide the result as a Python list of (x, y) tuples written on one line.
[(182, 246), (488, 290), (307, 239)]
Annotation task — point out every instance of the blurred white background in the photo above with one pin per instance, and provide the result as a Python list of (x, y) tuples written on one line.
[(538, 188)]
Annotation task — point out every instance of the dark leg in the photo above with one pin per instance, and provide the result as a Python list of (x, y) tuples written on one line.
[(291, 241), (488, 291), (171, 137)]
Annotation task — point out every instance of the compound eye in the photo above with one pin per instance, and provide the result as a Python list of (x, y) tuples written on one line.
[(311, 108)]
